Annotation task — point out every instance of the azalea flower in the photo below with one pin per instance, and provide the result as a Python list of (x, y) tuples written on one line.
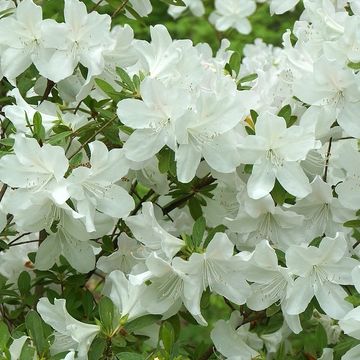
[(270, 282), (79, 333), (94, 186), (281, 6), (233, 14), (235, 341), (217, 269), (35, 168), (21, 35), (125, 295), (333, 87), (83, 38), (320, 273), (323, 213), (261, 219), (147, 230), (275, 152), (153, 117)]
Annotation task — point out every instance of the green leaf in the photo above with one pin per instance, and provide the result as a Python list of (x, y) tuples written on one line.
[(125, 79), (129, 356), (272, 310), (39, 130), (76, 160), (254, 115), (106, 313), (7, 142), (249, 130), (354, 66), (234, 63), (97, 348), (3, 245), (352, 223), (278, 193), (141, 322), (107, 89), (24, 283), (165, 157), (353, 299), (167, 335), (4, 335), (36, 330), (27, 352), (281, 352), (212, 232), (58, 138), (248, 78), (285, 113), (174, 2), (118, 341), (344, 344), (195, 208), (198, 231)]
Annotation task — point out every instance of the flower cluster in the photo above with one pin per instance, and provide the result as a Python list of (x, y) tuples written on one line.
[(176, 177)]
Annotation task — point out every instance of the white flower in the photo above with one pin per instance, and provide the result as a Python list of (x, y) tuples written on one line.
[(62, 322), (195, 6), (153, 117), (142, 7), (15, 260), (233, 14), (323, 213), (333, 87), (271, 282), (21, 34), (281, 6), (261, 219), (208, 132), (17, 113), (123, 259), (16, 347), (147, 230), (125, 295), (217, 269), (94, 187), (320, 272), (275, 152), (36, 168), (80, 40), (71, 240), (235, 341)]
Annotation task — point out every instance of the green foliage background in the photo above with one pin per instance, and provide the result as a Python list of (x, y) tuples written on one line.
[(269, 28)]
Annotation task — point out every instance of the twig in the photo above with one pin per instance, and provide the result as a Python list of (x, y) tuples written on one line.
[(96, 5), (327, 160), (2, 191), (18, 238), (207, 353), (183, 199), (93, 136), (121, 7), (24, 242), (49, 86)]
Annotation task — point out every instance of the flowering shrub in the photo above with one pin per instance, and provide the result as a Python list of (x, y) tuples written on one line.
[(160, 201)]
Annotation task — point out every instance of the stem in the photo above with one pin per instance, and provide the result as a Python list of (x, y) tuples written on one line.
[(2, 191), (327, 160), (96, 5), (121, 7), (183, 199), (18, 238), (49, 86), (24, 242), (93, 136)]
